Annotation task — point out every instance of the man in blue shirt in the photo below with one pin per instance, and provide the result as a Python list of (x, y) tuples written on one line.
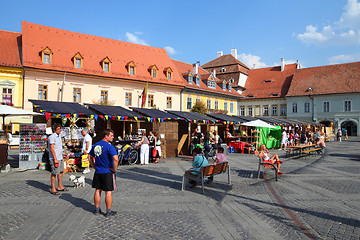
[(106, 162)]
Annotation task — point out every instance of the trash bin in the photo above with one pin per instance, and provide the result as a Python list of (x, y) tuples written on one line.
[(3, 154)]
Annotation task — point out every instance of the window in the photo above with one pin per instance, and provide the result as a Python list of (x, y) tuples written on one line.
[(106, 67), (190, 79), (150, 100), (154, 73), (106, 64), (132, 70), (128, 99), (189, 103), (242, 111), (266, 111), (231, 107), (104, 96), (326, 106), (294, 107), (77, 63), (216, 105), (274, 110), (197, 100), (307, 107), (7, 96), (225, 106), (229, 86), (208, 104), (283, 110), (250, 111), (43, 92), (168, 102), (211, 84), (197, 80), (224, 86), (347, 106), (169, 75), (47, 58), (77, 95), (77, 59)]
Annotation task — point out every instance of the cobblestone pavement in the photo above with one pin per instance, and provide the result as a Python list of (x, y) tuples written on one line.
[(316, 198)]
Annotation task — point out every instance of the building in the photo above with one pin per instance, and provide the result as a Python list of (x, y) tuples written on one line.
[(73, 67), (265, 91), (11, 77), (200, 85), (328, 95)]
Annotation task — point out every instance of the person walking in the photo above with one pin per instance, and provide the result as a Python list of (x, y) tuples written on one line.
[(144, 149), (56, 160), (105, 165), (86, 148), (283, 140), (339, 134)]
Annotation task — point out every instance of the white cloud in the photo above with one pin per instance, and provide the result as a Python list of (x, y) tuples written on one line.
[(346, 31), (135, 39), (344, 58), (251, 60), (170, 50)]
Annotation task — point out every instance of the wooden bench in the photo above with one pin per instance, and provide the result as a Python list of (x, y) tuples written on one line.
[(207, 171), (266, 166), (309, 151)]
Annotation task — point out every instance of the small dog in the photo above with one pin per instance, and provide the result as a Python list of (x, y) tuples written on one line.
[(78, 181)]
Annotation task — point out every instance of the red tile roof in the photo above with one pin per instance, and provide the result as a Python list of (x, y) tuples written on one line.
[(65, 44), (341, 78), (10, 49), (227, 61), (185, 68), (269, 82)]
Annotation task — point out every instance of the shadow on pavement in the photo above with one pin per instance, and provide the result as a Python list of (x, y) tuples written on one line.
[(77, 202), (39, 185)]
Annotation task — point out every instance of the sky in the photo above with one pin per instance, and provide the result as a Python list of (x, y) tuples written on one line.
[(315, 32)]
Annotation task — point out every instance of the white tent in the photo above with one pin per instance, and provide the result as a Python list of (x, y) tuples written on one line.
[(7, 111), (258, 123)]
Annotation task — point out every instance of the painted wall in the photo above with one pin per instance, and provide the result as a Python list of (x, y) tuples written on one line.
[(91, 89), (204, 97), (336, 114), (259, 104)]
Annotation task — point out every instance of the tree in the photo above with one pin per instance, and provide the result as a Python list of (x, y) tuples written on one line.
[(199, 107), (107, 103)]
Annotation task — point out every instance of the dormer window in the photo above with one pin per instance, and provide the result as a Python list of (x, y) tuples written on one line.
[(250, 96), (274, 95), (211, 82), (168, 72), (267, 81), (131, 67), (78, 60), (106, 64), (190, 78), (223, 70), (197, 80), (229, 86), (224, 85), (153, 71), (46, 55)]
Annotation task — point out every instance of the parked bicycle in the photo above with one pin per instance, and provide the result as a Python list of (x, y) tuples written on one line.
[(127, 153)]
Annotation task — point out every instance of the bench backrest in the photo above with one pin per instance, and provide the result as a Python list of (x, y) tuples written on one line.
[(214, 169)]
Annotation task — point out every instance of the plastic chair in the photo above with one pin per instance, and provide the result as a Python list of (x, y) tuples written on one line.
[(230, 149)]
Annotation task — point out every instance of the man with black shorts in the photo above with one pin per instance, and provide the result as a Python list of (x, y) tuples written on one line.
[(106, 162)]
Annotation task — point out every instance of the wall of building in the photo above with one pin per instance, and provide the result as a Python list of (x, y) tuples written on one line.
[(258, 106), (91, 89), (336, 114), (204, 97)]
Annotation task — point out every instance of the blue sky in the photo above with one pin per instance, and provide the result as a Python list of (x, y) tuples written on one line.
[(316, 33)]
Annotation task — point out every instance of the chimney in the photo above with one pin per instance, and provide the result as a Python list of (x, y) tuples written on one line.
[(195, 68), (298, 64), (254, 66), (234, 53), (282, 64), (220, 53), (214, 73)]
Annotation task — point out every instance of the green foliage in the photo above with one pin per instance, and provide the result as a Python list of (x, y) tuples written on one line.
[(106, 103), (199, 107)]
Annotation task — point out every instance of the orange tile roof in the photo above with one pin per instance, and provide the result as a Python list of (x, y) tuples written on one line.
[(340, 78), (65, 45), (10, 49), (185, 68), (269, 82)]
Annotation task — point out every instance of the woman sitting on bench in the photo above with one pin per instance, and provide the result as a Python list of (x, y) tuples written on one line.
[(198, 162), (265, 156)]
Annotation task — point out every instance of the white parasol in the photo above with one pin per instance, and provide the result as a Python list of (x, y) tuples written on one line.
[(7, 111)]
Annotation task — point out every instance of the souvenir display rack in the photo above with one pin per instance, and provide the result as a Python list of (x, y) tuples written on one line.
[(33, 142)]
